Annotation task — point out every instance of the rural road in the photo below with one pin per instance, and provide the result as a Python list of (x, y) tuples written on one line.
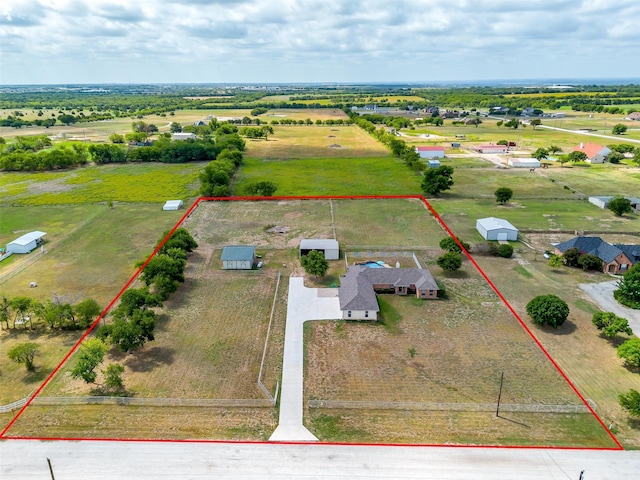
[(602, 294), (105, 460), (303, 304), (590, 134)]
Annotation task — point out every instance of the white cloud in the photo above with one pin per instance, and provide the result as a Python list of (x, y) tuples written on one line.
[(314, 40)]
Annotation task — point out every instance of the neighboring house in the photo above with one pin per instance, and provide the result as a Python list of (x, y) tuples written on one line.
[(173, 205), (492, 149), (26, 242), (329, 247), (492, 228), (430, 152), (633, 116), (238, 257), (596, 153), (527, 111), (357, 292), (617, 258), (603, 202), (183, 136), (523, 162)]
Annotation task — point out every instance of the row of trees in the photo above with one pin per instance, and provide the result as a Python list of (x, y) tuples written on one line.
[(56, 314), (52, 159)]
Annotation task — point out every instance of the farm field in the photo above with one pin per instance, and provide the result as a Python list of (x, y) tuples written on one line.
[(331, 176), (302, 141), (94, 184)]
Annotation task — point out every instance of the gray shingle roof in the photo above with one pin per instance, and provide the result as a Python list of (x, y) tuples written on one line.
[(631, 251), (592, 245), (356, 290)]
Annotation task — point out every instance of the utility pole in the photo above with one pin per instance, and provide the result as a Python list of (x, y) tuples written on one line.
[(50, 469), (500, 394)]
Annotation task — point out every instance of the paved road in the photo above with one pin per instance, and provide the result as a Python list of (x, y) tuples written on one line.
[(591, 134), (602, 294), (103, 460), (303, 304)]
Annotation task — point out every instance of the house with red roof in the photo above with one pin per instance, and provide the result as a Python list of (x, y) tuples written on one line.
[(430, 152), (595, 152)]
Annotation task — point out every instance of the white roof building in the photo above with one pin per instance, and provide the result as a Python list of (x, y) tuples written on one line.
[(183, 136), (26, 242), (329, 247), (173, 205), (492, 228)]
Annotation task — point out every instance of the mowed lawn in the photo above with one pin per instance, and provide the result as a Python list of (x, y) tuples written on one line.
[(151, 182), (314, 141), (330, 176)]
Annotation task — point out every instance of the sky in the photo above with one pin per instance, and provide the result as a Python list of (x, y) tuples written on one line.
[(316, 41)]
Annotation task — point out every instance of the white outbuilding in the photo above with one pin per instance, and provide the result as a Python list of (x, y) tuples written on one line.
[(26, 242), (523, 162), (492, 228), (329, 247), (180, 136), (173, 205)]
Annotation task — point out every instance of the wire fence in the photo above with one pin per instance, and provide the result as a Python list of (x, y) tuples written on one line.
[(155, 402), (273, 398), (10, 407), (454, 407)]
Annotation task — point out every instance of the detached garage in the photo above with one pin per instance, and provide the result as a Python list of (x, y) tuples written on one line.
[(492, 228), (329, 247), (238, 257), (26, 242)]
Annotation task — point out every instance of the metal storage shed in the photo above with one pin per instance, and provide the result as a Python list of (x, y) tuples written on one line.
[(329, 247), (238, 257), (173, 205), (26, 242), (492, 228)]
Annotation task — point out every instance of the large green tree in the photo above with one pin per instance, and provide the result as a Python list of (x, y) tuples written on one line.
[(619, 129), (450, 261), (630, 352), (90, 355), (630, 401), (503, 195), (437, 180), (620, 205), (540, 154), (24, 353), (610, 324), (548, 309), (628, 291), (314, 263), (86, 312), (577, 156)]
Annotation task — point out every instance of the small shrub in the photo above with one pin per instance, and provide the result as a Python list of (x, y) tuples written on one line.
[(505, 251)]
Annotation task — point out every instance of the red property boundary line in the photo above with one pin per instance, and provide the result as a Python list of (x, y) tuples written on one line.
[(314, 197)]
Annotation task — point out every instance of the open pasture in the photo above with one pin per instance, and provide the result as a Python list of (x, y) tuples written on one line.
[(330, 176), (150, 182), (303, 141)]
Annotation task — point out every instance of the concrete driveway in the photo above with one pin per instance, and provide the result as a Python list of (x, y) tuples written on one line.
[(303, 304), (602, 294)]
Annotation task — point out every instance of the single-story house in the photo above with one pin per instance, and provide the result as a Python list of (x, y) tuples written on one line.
[(603, 202), (633, 116), (26, 242), (492, 228), (430, 152), (523, 162), (357, 292), (173, 205), (329, 247), (616, 258), (238, 257), (596, 153), (183, 136), (492, 149), (433, 163)]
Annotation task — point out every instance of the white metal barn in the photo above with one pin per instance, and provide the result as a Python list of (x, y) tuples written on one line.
[(329, 247), (430, 152), (238, 257), (173, 205), (523, 162), (26, 242), (180, 136), (492, 228)]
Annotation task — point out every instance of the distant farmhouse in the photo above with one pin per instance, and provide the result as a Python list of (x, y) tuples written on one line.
[(238, 257), (358, 288), (430, 152), (633, 116), (492, 228), (616, 258), (603, 202), (595, 153)]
